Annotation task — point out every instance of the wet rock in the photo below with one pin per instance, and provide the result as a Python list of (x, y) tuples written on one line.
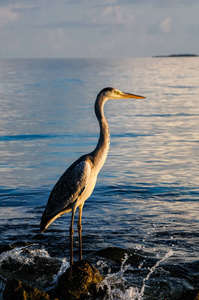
[(28, 266), (9, 247), (190, 295), (6, 248), (79, 282), (18, 290), (118, 254)]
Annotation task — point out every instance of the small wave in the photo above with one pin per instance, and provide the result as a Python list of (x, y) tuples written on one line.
[(33, 264), (160, 192), (171, 115), (130, 135), (182, 87), (27, 137), (22, 196), (116, 286), (54, 82), (23, 255), (23, 137), (64, 266)]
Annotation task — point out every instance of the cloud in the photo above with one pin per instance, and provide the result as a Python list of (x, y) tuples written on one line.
[(57, 39), (106, 18), (11, 13), (166, 25), (79, 28), (22, 6), (7, 15), (112, 14)]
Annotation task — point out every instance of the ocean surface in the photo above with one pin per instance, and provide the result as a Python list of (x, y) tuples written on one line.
[(146, 200)]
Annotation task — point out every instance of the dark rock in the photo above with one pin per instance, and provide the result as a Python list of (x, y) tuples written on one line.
[(18, 290), (78, 282), (190, 295), (9, 247), (118, 254), (6, 248), (38, 267)]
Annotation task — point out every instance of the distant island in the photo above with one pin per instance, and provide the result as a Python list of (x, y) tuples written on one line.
[(177, 55)]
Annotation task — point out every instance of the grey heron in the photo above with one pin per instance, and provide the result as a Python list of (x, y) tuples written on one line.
[(77, 183)]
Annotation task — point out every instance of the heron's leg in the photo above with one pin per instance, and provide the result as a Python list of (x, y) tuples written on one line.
[(80, 231), (71, 237)]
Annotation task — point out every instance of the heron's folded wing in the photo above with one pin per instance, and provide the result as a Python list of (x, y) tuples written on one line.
[(68, 188)]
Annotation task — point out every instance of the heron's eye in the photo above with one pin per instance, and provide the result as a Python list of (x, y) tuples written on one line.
[(116, 92)]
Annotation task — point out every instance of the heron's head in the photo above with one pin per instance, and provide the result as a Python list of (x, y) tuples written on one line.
[(112, 93)]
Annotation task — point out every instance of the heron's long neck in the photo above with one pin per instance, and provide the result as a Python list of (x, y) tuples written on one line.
[(101, 150)]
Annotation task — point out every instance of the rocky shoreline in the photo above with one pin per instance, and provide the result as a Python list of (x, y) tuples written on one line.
[(79, 282), (82, 281)]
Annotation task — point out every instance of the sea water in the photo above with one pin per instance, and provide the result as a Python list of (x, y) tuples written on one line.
[(147, 197)]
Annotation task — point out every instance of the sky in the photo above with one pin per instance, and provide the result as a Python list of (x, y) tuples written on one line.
[(98, 28)]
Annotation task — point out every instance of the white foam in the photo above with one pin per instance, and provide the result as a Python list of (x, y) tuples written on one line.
[(24, 255), (115, 283), (64, 266)]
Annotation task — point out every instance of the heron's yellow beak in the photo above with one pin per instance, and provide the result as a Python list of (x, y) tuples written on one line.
[(127, 95)]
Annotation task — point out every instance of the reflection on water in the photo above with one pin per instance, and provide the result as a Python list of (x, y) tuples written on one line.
[(147, 193)]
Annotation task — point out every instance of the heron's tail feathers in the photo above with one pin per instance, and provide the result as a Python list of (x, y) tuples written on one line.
[(46, 221), (43, 222)]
